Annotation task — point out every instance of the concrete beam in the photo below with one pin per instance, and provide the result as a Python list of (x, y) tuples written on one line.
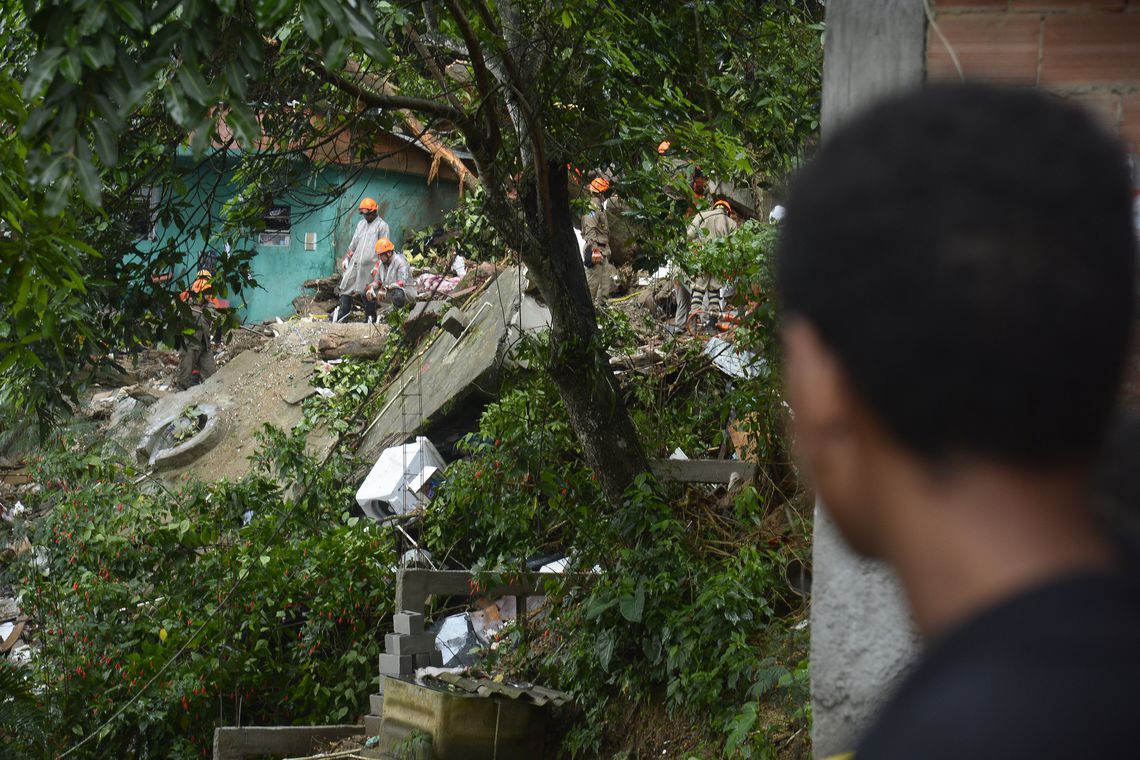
[(702, 470), (414, 585), (239, 743)]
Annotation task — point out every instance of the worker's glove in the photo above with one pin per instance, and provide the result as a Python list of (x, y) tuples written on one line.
[(344, 264)]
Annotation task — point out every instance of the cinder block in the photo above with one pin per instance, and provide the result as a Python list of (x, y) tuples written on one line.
[(422, 660), (408, 623), (372, 725), (398, 643), (376, 703), (396, 665)]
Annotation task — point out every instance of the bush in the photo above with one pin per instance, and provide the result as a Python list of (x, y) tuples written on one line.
[(690, 606), (170, 612)]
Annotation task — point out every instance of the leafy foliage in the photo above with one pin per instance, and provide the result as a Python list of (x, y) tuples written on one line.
[(253, 599), (22, 719), (692, 601)]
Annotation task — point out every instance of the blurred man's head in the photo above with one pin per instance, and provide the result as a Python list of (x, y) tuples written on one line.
[(957, 275)]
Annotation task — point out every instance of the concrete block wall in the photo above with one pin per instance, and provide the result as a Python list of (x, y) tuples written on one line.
[(1088, 51), (861, 636)]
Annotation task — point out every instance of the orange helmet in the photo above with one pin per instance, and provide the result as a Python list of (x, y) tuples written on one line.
[(383, 245), (599, 185), (723, 204), (201, 281), (369, 204), (662, 147)]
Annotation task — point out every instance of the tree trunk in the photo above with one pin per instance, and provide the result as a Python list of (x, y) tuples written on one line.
[(579, 365)]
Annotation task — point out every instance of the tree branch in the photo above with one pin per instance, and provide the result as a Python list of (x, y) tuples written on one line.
[(522, 95), (479, 66), (432, 65), (404, 105), (389, 101)]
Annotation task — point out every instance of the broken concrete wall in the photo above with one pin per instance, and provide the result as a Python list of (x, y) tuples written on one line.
[(455, 365)]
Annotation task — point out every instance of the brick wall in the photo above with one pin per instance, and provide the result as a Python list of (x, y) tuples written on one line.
[(1086, 50)]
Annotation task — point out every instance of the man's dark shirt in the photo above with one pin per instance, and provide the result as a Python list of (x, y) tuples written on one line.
[(1053, 673)]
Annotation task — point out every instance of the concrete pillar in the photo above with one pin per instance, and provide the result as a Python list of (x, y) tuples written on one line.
[(862, 638)]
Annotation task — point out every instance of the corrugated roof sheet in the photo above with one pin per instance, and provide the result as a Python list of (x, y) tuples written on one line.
[(486, 687)]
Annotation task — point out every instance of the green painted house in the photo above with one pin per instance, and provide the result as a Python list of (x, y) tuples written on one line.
[(308, 227)]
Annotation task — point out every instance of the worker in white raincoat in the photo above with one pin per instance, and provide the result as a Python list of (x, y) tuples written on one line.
[(360, 260)]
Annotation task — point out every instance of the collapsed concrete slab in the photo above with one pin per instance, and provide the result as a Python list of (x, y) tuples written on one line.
[(456, 364)]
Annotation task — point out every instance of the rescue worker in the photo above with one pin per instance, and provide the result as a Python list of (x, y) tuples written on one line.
[(361, 260), (596, 252), (392, 280), (703, 291), (197, 357)]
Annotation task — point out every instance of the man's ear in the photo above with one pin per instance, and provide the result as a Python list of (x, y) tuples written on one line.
[(830, 432), (817, 390)]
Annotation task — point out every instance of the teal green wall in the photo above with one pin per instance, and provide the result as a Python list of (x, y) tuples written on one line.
[(406, 202)]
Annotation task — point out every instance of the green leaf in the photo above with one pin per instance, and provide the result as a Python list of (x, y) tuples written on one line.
[(93, 19), (89, 182), (596, 606), (95, 57), (311, 18), (58, 195), (606, 644), (194, 86), (375, 48), (106, 142), (632, 607), (245, 127), (336, 54), (177, 106), (40, 72), (130, 13), (270, 12), (235, 79)]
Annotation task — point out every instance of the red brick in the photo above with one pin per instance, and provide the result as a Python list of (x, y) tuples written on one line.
[(994, 46), (1096, 49), (1130, 121), (1104, 106), (970, 5), (1068, 5)]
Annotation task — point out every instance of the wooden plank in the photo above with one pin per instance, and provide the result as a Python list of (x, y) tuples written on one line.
[(701, 470)]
